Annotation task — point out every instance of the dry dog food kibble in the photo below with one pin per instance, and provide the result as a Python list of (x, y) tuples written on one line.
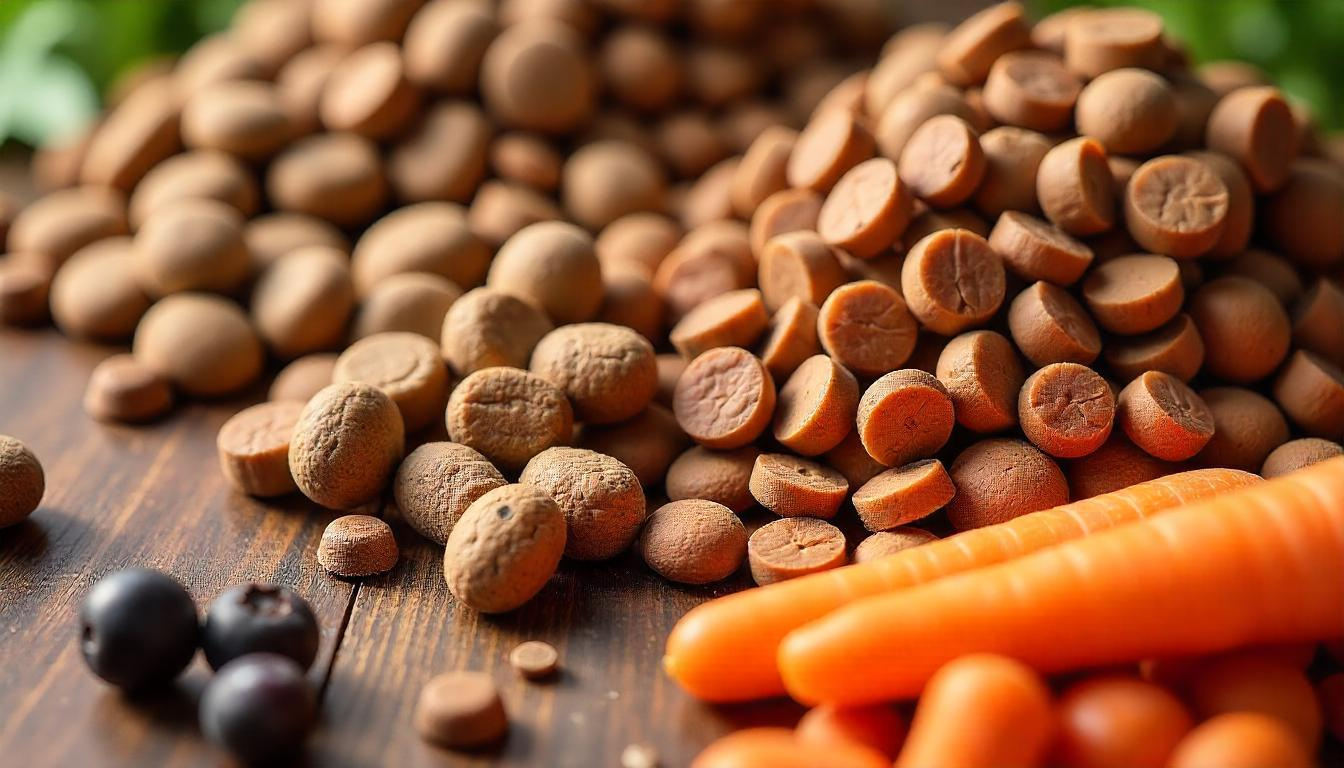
[(1075, 188), (982, 375), (725, 398), (887, 543), (461, 710), (487, 328), (1066, 409), (1164, 417), (1134, 294), (1000, 479), (732, 319), (1246, 427), (903, 495), (95, 295), (791, 337), (791, 486), (942, 163), (406, 367), (203, 344), (346, 445), (904, 416), (867, 327), (867, 210), (1310, 390), (302, 302), (1012, 158), (411, 302), (602, 499), (191, 245), (1035, 250), (426, 237), (607, 371), (792, 547), (253, 448), (21, 479), (1296, 454), (554, 266), (504, 548), (357, 545), (694, 541), (1245, 330), (647, 444), (535, 660), (1176, 206), (798, 265), (952, 281), (1098, 41), (1130, 111), (303, 378), (816, 406), (1175, 348), (25, 288), (437, 482), (122, 389), (1031, 89), (1254, 126), (723, 477), (509, 415)]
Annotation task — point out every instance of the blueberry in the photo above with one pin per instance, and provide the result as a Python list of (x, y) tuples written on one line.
[(138, 628), (259, 707), (255, 618)]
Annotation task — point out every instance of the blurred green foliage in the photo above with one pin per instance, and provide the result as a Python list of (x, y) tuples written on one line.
[(1299, 42)]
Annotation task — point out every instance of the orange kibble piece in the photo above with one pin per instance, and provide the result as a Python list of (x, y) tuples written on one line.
[(1164, 417), (724, 398), (816, 406), (905, 415), (903, 495)]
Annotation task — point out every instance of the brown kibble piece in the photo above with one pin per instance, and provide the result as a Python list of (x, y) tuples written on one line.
[(725, 398), (1318, 318), (733, 319), (346, 445), (816, 406), (1000, 479), (303, 378), (886, 543), (710, 260), (692, 146), (798, 265), (552, 265), (791, 486), (425, 237), (200, 174), (537, 76), (1245, 329), (1075, 188), (406, 367), (723, 477), (368, 93), (851, 459), (253, 448), (487, 328), (952, 281), (790, 338), (1310, 389), (445, 42), (535, 660), (942, 163), (504, 549), (1164, 417), (867, 209), (601, 497), (867, 327), (694, 541), (299, 84), (273, 235), (903, 495), (1176, 206), (509, 415), (62, 222), (501, 209), (968, 51), (302, 302), (607, 371), (461, 710), (21, 479), (647, 444), (1035, 250), (1255, 127), (1050, 326), (138, 134), (761, 172), (1066, 410), (982, 375), (437, 482), (1031, 89), (793, 547), (443, 157), (357, 22), (788, 210), (333, 176), (1246, 427), (1134, 294), (1175, 348), (122, 389), (831, 144), (642, 67), (1296, 454), (25, 288), (411, 302), (203, 344), (1012, 158), (244, 118), (632, 302), (1097, 41), (1130, 111), (605, 180), (1240, 218), (1117, 464), (526, 159), (191, 245), (1302, 219), (903, 416), (911, 109), (639, 239)]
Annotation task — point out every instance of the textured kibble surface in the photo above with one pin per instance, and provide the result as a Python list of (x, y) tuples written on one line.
[(437, 482), (461, 710), (357, 545), (903, 495), (346, 445), (905, 415), (794, 487), (254, 448), (725, 398), (602, 499), (1000, 479), (509, 415), (504, 548), (607, 371), (693, 541), (22, 480), (535, 660), (722, 477), (887, 543), (792, 547), (406, 367)]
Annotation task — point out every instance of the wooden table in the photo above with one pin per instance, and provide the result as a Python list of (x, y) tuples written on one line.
[(154, 496)]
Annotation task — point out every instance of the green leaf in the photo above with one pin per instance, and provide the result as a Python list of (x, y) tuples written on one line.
[(57, 100)]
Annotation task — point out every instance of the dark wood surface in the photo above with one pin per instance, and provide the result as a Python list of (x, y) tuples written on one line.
[(153, 496)]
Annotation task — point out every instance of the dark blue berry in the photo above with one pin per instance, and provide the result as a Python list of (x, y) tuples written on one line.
[(259, 707), (256, 618), (138, 629)]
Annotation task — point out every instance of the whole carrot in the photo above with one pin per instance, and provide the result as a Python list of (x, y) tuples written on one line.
[(724, 650), (1261, 565), (780, 748)]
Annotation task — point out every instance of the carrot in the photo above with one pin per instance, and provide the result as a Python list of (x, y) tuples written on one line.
[(980, 711), (1241, 740), (779, 748), (1261, 565), (724, 650)]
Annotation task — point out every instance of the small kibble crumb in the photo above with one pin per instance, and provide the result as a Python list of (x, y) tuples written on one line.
[(357, 545), (639, 756), (461, 710), (535, 660), (22, 482)]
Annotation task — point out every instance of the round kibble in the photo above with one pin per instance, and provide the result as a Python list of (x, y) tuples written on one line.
[(346, 445), (1034, 250), (694, 541), (602, 499), (1075, 188), (25, 287), (631, 301), (1097, 41), (606, 180), (368, 93), (1130, 111), (1175, 348), (500, 209), (1246, 427), (711, 260), (905, 415), (411, 302), (1255, 127), (437, 482), (789, 210), (244, 118), (887, 543), (607, 371), (791, 338), (425, 237), (199, 174), (967, 52), (942, 163), (1117, 464), (952, 281), (867, 327), (526, 159), (509, 415), (791, 486), (487, 328), (139, 133), (1317, 319), (1240, 218), (535, 660), (1050, 326), (1031, 89), (1269, 270), (504, 549), (708, 198), (303, 378), (1000, 479), (273, 235), (867, 209), (792, 547), (203, 344), (725, 398), (732, 319), (357, 545), (1245, 329), (554, 266), (723, 477), (1066, 410), (443, 157), (831, 144), (1300, 217), (445, 43), (95, 294), (903, 495), (1296, 454), (299, 84), (647, 444), (1164, 417), (253, 448), (191, 245), (406, 367), (1012, 157), (642, 68), (122, 389), (911, 109), (798, 265), (816, 406), (537, 76), (644, 239), (982, 375), (461, 710), (215, 60), (302, 302), (1134, 294), (21, 479), (1176, 206), (335, 176), (1310, 389)]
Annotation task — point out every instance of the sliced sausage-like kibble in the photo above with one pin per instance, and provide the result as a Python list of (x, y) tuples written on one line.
[(1075, 187), (1318, 318), (1296, 454), (816, 406), (1031, 89), (852, 460), (790, 338), (733, 319), (911, 108), (788, 210), (1255, 127), (867, 210), (1302, 217), (1176, 206), (793, 547), (904, 416), (1310, 389), (867, 328), (1036, 250), (903, 495), (953, 281), (791, 486), (887, 543), (831, 144), (760, 173), (1100, 40), (1164, 417), (983, 375), (1135, 293), (1012, 158), (725, 398), (1175, 348), (254, 448), (1240, 219), (1066, 409), (968, 52), (943, 163), (798, 265), (1050, 326)]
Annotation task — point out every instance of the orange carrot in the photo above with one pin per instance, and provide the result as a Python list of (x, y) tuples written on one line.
[(980, 711), (724, 650), (779, 748), (1261, 565)]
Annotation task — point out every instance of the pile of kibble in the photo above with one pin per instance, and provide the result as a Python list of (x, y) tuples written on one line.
[(1007, 266)]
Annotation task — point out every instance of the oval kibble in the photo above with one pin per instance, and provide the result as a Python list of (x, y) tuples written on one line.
[(1245, 329), (982, 375), (903, 416), (303, 378), (357, 545), (302, 302), (21, 479), (1296, 454), (607, 371), (790, 338), (25, 288), (1035, 250), (1175, 348), (95, 294), (122, 389), (643, 239), (142, 131), (816, 406), (792, 547), (199, 174), (1130, 111), (798, 265), (368, 93), (501, 209), (426, 237), (887, 543), (1066, 410), (509, 415), (1317, 319), (273, 235), (526, 159), (602, 499), (487, 328), (554, 266), (537, 76), (606, 180), (346, 445), (694, 541), (1310, 390), (1164, 417), (647, 444), (443, 156), (1247, 426), (407, 367), (335, 176), (903, 495), (410, 302), (630, 300), (191, 245), (461, 710), (725, 398), (437, 482), (203, 344), (952, 281), (1012, 158), (253, 448), (504, 549), (867, 327), (243, 118), (723, 477), (1000, 479), (1134, 294)]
